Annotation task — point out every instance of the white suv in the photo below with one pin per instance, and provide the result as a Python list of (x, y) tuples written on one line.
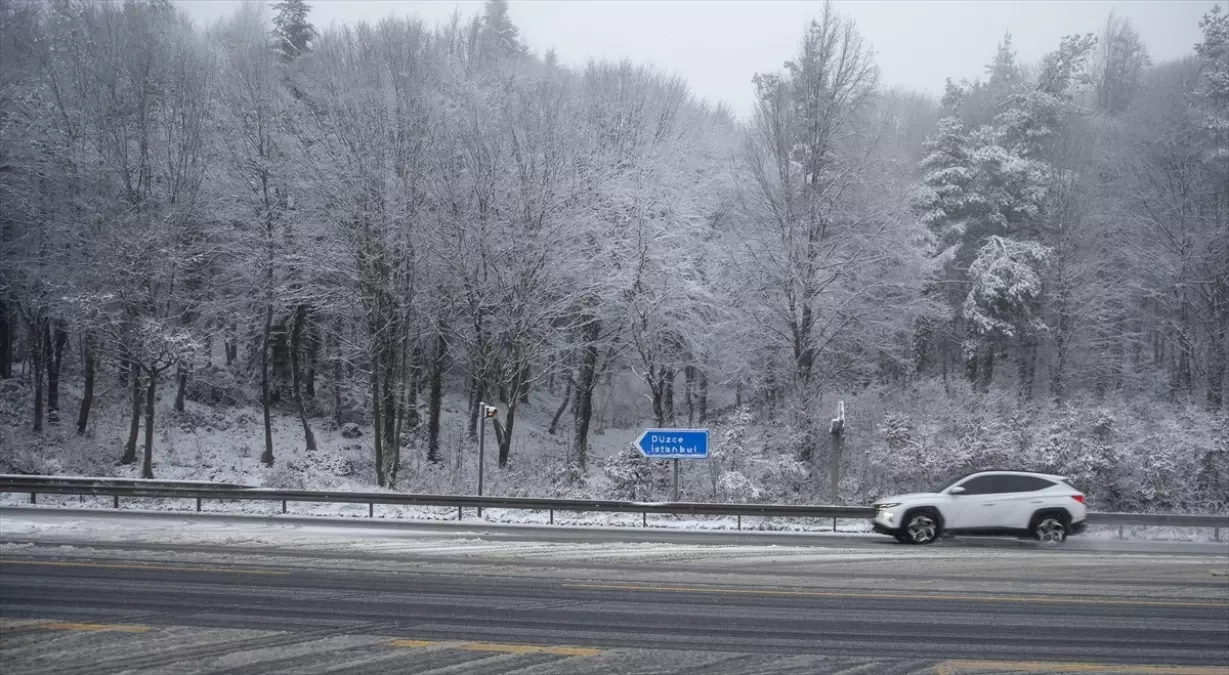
[(989, 503)]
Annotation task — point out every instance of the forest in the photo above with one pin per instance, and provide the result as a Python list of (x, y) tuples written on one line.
[(351, 228)]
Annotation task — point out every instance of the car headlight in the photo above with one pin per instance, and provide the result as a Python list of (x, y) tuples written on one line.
[(884, 511)]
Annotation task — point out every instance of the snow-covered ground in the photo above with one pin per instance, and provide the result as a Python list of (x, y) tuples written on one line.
[(224, 444)]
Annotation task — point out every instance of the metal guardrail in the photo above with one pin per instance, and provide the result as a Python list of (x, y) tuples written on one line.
[(24, 479), (202, 491)]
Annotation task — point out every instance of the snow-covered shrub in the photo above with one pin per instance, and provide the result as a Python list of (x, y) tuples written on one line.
[(286, 475), (629, 474), (733, 486)]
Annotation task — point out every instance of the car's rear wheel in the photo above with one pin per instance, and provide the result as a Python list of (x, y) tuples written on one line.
[(921, 527), (1050, 529)]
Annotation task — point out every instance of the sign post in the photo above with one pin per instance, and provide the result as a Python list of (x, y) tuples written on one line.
[(673, 444)]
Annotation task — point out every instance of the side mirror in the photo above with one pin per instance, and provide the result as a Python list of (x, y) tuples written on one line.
[(956, 491)]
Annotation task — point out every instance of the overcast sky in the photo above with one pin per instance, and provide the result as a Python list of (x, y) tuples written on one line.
[(718, 45)]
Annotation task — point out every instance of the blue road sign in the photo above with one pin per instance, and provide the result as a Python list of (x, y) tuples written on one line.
[(673, 443)]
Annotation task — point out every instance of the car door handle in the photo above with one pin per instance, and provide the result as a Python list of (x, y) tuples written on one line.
[(988, 504), (1036, 501)]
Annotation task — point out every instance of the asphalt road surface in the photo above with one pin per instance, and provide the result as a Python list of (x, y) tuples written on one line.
[(109, 594)]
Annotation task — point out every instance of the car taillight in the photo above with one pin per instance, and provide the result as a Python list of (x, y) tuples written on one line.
[(1078, 498)]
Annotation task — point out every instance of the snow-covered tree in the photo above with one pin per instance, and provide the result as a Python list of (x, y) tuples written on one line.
[(292, 32)]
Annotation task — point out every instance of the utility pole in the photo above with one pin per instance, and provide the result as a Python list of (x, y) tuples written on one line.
[(837, 430), (488, 412)]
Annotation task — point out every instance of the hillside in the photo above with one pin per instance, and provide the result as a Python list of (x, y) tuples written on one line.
[(1127, 456)]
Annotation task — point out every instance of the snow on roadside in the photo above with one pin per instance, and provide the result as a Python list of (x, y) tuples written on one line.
[(526, 517)]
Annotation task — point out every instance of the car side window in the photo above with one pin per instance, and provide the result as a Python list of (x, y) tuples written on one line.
[(981, 485), (1023, 484)]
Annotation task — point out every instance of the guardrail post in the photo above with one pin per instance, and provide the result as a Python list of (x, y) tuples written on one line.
[(1216, 533), (198, 504), (33, 498), (740, 523), (459, 514), (115, 504), (371, 510), (645, 518), (1120, 531), (834, 525), (552, 519), (283, 506)]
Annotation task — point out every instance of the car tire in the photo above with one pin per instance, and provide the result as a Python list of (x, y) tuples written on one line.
[(1051, 529), (921, 527)]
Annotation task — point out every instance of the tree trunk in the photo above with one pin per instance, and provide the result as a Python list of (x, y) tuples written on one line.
[(436, 400), (55, 361), (703, 397), (181, 391), (388, 403), (313, 357), (986, 373), (971, 366), (38, 348), (1218, 354), (147, 468), (402, 410), (416, 372), (524, 386), (567, 398), (87, 398), (134, 426), (505, 445), (657, 389), (375, 408), (337, 375), (267, 456), (668, 397), (231, 346), (1027, 368), (6, 343), (1058, 378), (689, 393), (550, 374), (296, 335), (582, 405)]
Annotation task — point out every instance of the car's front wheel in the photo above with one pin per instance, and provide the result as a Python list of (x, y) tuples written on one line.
[(1050, 529), (921, 527)]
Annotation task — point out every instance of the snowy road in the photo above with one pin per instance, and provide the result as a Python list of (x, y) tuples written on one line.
[(110, 593)]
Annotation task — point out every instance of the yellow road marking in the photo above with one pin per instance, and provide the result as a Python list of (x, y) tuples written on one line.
[(896, 596), (119, 566), (71, 625), (501, 648), (413, 643), (956, 667)]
